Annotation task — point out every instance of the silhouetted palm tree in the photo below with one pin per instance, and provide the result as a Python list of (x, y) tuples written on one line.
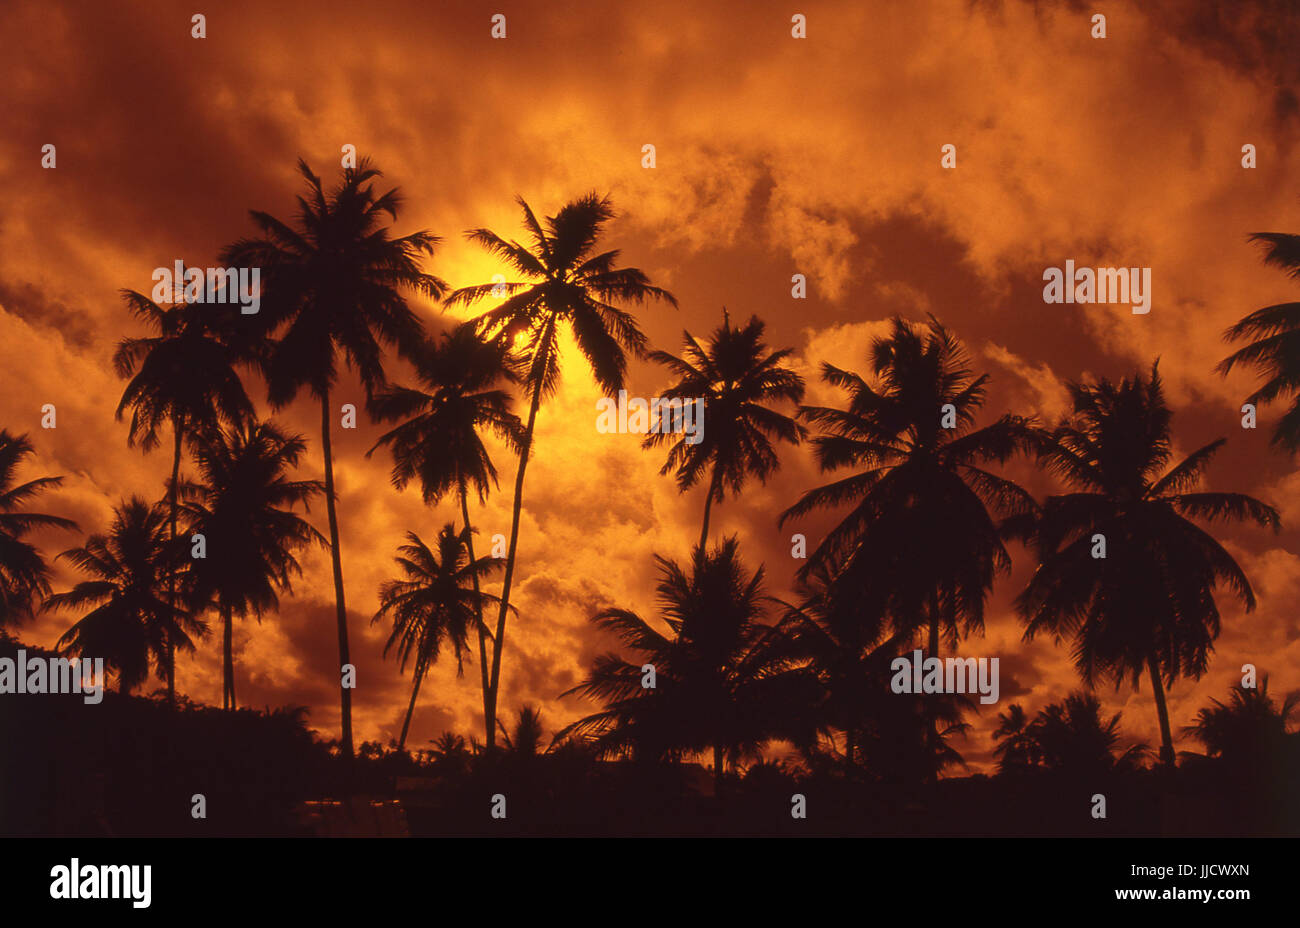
[(1070, 735), (134, 618), (724, 680), (566, 286), (1275, 349), (528, 734), (1251, 727), (920, 543), (740, 380), (438, 601), (243, 508), (183, 377), (24, 575), (1148, 604), (332, 286), (439, 442)]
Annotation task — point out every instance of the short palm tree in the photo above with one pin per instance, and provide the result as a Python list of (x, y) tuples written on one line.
[(24, 575), (1072, 735), (567, 285), (724, 679), (437, 601), (1275, 346), (1148, 605), (243, 506), (134, 617), (333, 288), (740, 380), (183, 377), (439, 441), (920, 543), (1250, 727)]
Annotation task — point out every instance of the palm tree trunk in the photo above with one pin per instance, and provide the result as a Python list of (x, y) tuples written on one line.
[(228, 659), (1166, 737), (171, 581), (717, 769), (708, 504), (500, 641), (482, 638), (410, 709), (340, 607)]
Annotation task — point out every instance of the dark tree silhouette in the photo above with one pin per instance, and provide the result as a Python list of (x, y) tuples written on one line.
[(183, 377), (243, 507), (567, 286), (24, 574), (134, 617), (1250, 727), (1275, 349), (1070, 736), (333, 286), (740, 380), (439, 441), (919, 544), (437, 601), (1148, 605), (724, 679)]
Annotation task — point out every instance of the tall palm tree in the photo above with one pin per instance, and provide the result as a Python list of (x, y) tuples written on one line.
[(333, 286), (134, 617), (437, 601), (724, 679), (243, 507), (566, 286), (740, 380), (1275, 349), (184, 377), (1148, 605), (919, 543), (1250, 727), (439, 441), (24, 575)]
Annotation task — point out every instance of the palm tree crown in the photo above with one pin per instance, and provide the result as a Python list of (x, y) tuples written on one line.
[(1148, 603), (24, 575), (739, 380), (134, 617), (1275, 350)]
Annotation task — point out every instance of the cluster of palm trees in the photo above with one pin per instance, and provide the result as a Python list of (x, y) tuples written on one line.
[(925, 514)]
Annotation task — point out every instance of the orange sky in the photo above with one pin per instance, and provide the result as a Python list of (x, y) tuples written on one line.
[(775, 156)]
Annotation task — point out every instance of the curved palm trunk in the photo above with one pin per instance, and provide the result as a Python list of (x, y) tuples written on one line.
[(934, 652), (228, 659), (337, 560), (482, 638), (171, 580), (410, 709), (1166, 736), (708, 504), (499, 643)]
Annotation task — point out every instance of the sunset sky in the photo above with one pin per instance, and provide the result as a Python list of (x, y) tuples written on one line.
[(775, 156)]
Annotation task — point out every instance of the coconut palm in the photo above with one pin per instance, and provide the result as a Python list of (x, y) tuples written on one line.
[(1250, 727), (919, 544), (723, 678), (183, 377), (333, 288), (439, 441), (24, 575), (438, 601), (243, 508), (567, 286), (1275, 347), (134, 618), (1070, 735), (740, 380), (1148, 604)]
